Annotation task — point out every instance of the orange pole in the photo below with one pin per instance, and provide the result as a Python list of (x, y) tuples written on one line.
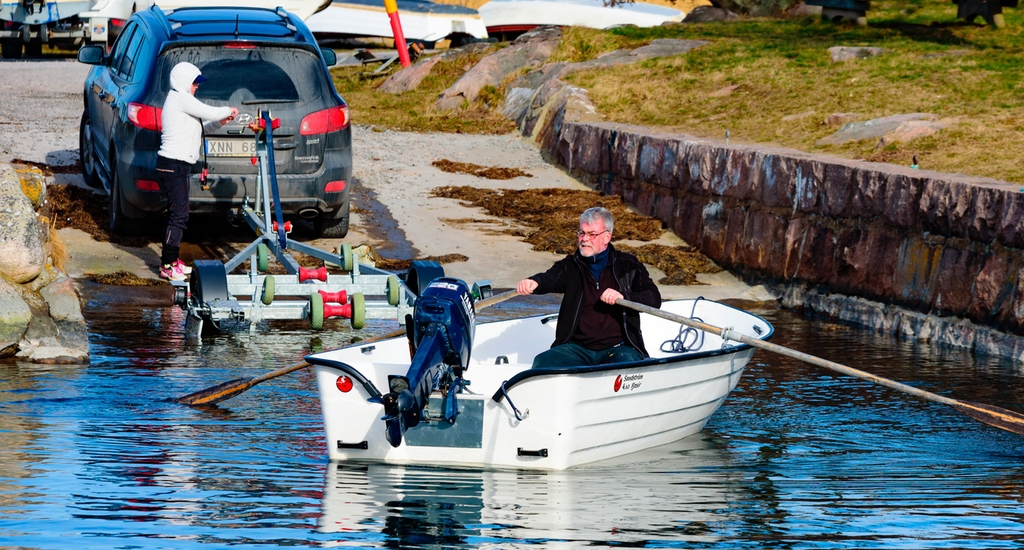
[(391, 6)]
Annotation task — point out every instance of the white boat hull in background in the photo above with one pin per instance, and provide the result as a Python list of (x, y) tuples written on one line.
[(567, 419), (421, 21), (520, 15)]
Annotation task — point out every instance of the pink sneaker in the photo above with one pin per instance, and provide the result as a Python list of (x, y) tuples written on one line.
[(184, 268), (172, 272)]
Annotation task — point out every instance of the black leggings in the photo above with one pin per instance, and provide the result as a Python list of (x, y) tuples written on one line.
[(173, 177)]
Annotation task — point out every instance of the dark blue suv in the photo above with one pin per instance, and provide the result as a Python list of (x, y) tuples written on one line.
[(254, 59)]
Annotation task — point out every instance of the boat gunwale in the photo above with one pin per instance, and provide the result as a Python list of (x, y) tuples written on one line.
[(349, 370), (531, 373), (650, 361)]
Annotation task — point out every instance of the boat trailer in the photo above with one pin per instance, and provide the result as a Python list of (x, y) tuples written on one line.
[(214, 297)]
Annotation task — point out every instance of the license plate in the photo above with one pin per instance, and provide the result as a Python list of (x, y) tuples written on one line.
[(231, 147)]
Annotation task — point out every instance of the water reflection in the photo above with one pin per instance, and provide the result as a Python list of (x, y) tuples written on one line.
[(669, 495)]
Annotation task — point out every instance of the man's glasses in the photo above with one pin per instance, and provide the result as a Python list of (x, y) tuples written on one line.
[(592, 236)]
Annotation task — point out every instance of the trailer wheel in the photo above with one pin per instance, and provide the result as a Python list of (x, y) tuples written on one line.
[(262, 258), (347, 262), (316, 311), (269, 285), (394, 291), (209, 281), (358, 311), (421, 272)]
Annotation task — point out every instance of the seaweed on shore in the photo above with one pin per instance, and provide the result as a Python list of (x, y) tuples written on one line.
[(549, 219), (82, 209), (122, 278), (488, 172)]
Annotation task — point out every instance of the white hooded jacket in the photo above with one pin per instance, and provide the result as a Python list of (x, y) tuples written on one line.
[(181, 134)]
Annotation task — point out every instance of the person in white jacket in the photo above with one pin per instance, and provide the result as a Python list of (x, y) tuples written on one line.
[(180, 141)]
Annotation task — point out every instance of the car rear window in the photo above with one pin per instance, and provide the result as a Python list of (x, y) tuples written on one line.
[(248, 76)]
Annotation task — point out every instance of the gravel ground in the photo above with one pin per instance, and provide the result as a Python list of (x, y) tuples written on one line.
[(41, 105)]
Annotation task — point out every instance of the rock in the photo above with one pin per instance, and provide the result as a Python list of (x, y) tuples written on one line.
[(707, 14), (21, 248), (839, 119), (871, 129), (911, 130), (517, 101), (62, 299), (49, 351), (530, 50), (15, 315), (410, 77), (801, 9), (798, 116), (850, 53), (663, 47), (33, 184), (520, 100)]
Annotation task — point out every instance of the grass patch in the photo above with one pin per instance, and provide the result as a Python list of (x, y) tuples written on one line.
[(414, 110), (765, 69), (969, 75)]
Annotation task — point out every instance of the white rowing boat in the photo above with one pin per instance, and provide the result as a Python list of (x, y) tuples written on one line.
[(509, 415), (422, 21)]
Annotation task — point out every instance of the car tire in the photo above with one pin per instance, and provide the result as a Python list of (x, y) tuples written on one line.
[(119, 223), (334, 229), (11, 48), (86, 154)]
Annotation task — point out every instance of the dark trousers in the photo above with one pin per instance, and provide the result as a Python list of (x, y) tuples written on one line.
[(172, 175), (572, 354)]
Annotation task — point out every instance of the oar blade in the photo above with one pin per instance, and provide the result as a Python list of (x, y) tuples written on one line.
[(992, 415), (218, 393)]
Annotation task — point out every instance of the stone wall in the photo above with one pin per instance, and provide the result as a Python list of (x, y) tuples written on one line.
[(917, 253)]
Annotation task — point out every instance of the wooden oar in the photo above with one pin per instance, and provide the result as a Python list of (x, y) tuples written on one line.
[(231, 388), (989, 414)]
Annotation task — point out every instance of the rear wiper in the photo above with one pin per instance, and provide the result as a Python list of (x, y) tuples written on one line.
[(258, 101)]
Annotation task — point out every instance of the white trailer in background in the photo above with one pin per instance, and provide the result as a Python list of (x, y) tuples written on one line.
[(29, 25)]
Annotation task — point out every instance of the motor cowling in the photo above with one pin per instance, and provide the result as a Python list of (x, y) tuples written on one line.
[(442, 328), (447, 302)]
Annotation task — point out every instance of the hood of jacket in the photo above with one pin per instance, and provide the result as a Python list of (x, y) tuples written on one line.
[(183, 75)]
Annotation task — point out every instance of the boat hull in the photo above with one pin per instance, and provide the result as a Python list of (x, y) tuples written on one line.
[(543, 419), (421, 21), (506, 16)]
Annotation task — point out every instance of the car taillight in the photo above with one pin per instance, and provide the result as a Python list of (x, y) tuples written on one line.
[(144, 116), (147, 185), (335, 187), (240, 46), (117, 22), (322, 122)]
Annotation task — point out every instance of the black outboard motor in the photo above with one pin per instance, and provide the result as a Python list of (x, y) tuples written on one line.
[(443, 325)]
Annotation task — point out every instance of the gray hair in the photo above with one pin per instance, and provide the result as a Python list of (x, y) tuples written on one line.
[(596, 213)]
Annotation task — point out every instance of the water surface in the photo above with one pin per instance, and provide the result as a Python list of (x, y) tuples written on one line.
[(99, 456)]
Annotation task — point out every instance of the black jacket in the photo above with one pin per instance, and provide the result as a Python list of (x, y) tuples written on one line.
[(568, 276)]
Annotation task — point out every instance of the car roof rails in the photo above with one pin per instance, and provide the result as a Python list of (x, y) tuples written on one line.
[(162, 17), (287, 18)]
